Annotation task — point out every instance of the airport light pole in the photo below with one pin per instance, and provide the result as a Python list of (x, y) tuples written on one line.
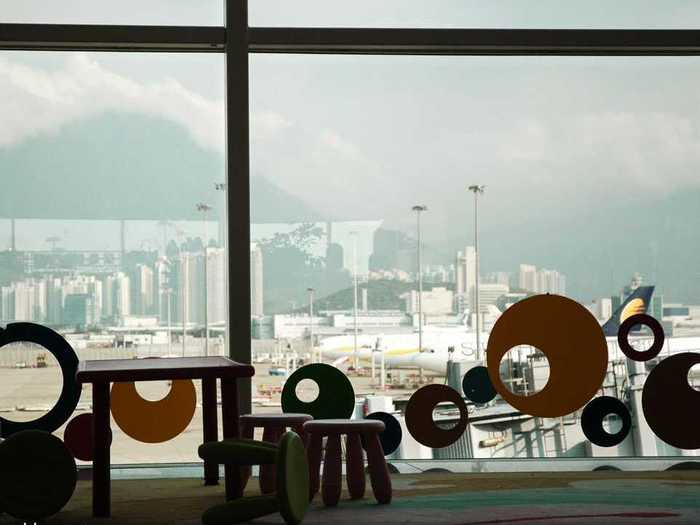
[(419, 209), (356, 359), (311, 323), (205, 209), (477, 190)]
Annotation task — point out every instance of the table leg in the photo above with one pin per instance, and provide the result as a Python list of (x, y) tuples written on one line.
[(210, 426), (101, 442), (230, 416)]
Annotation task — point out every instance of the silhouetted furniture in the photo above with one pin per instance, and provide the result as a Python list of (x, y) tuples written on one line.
[(274, 426), (291, 499), (208, 369), (358, 432)]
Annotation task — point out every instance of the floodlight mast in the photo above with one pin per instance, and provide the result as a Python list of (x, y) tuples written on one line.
[(420, 209), (477, 190), (205, 209)]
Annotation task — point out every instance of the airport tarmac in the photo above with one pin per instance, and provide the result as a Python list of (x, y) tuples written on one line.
[(28, 393)]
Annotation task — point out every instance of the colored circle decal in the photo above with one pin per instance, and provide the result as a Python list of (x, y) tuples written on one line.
[(477, 385), (78, 436), (570, 337), (67, 360), (670, 404), (623, 334), (593, 416), (37, 475), (336, 397), (154, 421), (419, 416), (391, 436)]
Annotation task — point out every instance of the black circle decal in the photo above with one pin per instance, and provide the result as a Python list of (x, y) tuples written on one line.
[(593, 416), (68, 361)]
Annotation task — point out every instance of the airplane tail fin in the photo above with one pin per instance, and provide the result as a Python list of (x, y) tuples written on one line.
[(637, 303)]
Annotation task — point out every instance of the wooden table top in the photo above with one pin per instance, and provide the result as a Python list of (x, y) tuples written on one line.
[(122, 370)]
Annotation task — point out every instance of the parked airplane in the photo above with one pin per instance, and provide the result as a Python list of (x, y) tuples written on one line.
[(443, 344)]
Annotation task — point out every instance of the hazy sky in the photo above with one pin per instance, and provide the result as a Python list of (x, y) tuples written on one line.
[(557, 141), (368, 13)]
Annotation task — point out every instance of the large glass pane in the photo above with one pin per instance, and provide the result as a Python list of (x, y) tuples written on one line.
[(127, 12), (112, 170), (589, 167), (648, 14)]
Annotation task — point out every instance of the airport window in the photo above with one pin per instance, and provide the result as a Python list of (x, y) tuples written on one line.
[(365, 173), (355, 150), (113, 171)]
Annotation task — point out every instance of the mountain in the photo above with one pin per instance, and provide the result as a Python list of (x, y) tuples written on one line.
[(125, 166)]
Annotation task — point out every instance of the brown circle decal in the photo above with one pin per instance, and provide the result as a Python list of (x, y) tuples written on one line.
[(624, 332), (154, 421), (670, 404), (573, 342), (78, 436), (419, 416)]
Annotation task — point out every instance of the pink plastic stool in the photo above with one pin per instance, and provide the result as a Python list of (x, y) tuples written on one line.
[(274, 426), (354, 430)]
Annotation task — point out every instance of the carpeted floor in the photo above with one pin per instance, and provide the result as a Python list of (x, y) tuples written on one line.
[(671, 498)]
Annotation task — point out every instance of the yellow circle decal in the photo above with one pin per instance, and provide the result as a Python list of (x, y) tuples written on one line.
[(154, 421)]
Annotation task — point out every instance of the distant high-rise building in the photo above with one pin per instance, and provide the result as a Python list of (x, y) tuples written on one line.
[(438, 301), (256, 281), (217, 290), (489, 293), (602, 308), (190, 288), (121, 300), (497, 278), (142, 290), (54, 301), (541, 281), (528, 278), (163, 290), (465, 277), (78, 310)]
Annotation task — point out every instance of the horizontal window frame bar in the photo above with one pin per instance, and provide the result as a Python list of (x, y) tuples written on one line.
[(372, 41), (575, 42), (57, 37)]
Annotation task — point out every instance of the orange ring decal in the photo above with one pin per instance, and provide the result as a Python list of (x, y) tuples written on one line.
[(154, 421)]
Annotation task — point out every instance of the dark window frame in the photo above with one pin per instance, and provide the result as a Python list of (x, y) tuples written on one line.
[(236, 40)]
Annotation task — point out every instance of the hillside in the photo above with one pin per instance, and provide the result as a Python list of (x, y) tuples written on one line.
[(125, 166)]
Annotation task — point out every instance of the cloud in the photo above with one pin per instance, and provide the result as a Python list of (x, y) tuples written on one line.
[(39, 101), (266, 125), (330, 143)]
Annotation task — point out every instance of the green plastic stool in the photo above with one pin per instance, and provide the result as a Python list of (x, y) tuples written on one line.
[(292, 497)]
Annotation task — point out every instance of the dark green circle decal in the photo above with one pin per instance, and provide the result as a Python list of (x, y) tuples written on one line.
[(336, 397), (37, 475), (68, 361), (477, 386)]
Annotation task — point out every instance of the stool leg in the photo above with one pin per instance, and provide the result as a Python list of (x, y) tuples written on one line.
[(247, 432), (268, 476), (332, 472), (313, 453), (378, 471), (355, 465), (299, 429)]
